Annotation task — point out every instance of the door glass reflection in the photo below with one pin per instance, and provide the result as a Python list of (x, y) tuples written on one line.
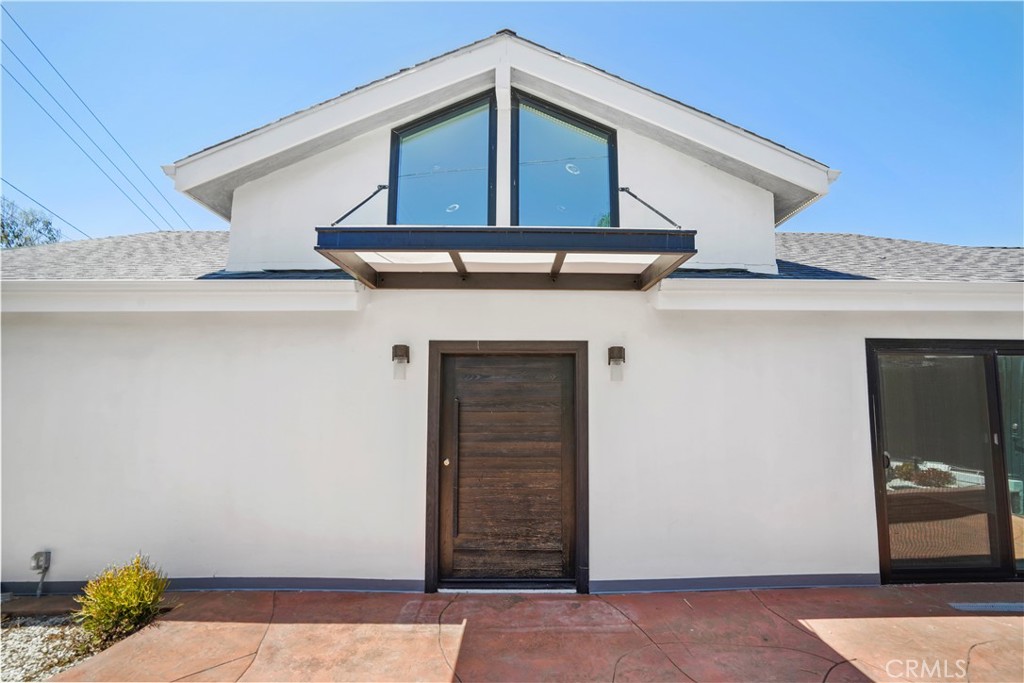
[(940, 500)]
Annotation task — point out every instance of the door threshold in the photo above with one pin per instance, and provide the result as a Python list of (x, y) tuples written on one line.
[(485, 591), (507, 585)]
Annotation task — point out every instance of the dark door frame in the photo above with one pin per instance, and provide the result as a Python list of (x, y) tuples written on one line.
[(576, 349), (990, 349)]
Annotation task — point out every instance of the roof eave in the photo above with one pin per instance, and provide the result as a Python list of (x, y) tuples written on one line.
[(210, 175)]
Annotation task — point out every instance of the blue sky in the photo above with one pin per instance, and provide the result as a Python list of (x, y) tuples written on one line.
[(921, 105)]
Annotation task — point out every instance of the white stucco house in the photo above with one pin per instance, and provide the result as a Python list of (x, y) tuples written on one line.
[(558, 343)]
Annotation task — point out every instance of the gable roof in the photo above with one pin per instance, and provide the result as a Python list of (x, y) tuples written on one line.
[(502, 61), (801, 256)]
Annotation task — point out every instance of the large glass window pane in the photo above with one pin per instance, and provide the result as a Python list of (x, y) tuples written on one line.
[(1011, 392), (443, 170), (940, 492), (564, 171)]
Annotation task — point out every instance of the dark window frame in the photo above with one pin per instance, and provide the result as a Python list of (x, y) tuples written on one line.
[(434, 118), (991, 350), (519, 97)]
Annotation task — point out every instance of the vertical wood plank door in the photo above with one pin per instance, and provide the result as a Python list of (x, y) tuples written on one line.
[(507, 457)]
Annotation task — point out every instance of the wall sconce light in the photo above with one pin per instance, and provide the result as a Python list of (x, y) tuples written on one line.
[(616, 359), (400, 359)]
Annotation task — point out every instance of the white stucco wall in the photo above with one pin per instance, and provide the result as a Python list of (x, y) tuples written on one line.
[(273, 218), (278, 444), (733, 218)]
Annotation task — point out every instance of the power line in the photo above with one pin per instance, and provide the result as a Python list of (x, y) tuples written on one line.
[(95, 163), (86, 134), (89, 109), (54, 213)]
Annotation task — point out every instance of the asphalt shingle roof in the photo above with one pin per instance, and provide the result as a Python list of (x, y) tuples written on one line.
[(146, 256), (801, 256), (835, 256)]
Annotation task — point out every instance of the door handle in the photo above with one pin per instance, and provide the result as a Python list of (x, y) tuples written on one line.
[(886, 462), (455, 467)]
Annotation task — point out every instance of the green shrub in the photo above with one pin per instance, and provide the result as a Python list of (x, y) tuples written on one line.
[(932, 477), (909, 471), (905, 471), (121, 600)]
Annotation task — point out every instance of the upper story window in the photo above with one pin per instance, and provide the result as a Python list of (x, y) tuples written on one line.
[(563, 168), (442, 167)]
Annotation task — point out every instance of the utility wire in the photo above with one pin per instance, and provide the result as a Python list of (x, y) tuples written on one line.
[(95, 163), (35, 201), (86, 134), (89, 109)]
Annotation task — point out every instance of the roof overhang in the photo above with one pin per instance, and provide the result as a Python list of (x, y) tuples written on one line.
[(212, 175), (457, 257)]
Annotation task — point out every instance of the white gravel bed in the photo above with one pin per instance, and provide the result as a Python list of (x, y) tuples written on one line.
[(35, 648)]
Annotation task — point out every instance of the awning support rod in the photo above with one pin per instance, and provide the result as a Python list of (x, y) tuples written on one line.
[(360, 204), (456, 258), (556, 265), (667, 219)]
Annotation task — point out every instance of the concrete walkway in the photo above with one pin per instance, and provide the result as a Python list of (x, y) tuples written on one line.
[(891, 633)]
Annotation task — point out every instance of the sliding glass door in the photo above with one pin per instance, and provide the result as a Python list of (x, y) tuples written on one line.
[(949, 454), (1011, 398)]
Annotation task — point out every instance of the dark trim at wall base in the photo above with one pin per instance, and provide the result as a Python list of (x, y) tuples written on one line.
[(722, 583), (297, 584), (239, 583), (49, 587)]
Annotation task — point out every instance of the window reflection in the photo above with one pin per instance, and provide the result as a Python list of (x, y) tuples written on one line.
[(444, 169), (940, 499), (564, 170)]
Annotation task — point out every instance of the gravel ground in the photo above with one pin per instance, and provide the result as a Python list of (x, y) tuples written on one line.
[(35, 648)]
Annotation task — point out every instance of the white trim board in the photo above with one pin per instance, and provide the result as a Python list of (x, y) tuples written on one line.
[(109, 296), (838, 295), (113, 296)]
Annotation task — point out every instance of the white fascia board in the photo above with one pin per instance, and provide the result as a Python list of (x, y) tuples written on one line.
[(838, 295), (661, 112), (136, 296), (470, 66), (372, 101)]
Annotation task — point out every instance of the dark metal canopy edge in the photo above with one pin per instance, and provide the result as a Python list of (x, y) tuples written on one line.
[(340, 244), (522, 239)]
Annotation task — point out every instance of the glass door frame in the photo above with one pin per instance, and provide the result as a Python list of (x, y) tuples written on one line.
[(990, 350)]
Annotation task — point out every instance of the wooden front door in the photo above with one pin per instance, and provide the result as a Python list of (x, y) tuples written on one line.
[(506, 474)]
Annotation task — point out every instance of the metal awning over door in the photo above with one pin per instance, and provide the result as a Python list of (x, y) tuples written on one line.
[(455, 257)]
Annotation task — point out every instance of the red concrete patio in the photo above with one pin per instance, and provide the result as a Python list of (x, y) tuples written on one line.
[(890, 633)]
